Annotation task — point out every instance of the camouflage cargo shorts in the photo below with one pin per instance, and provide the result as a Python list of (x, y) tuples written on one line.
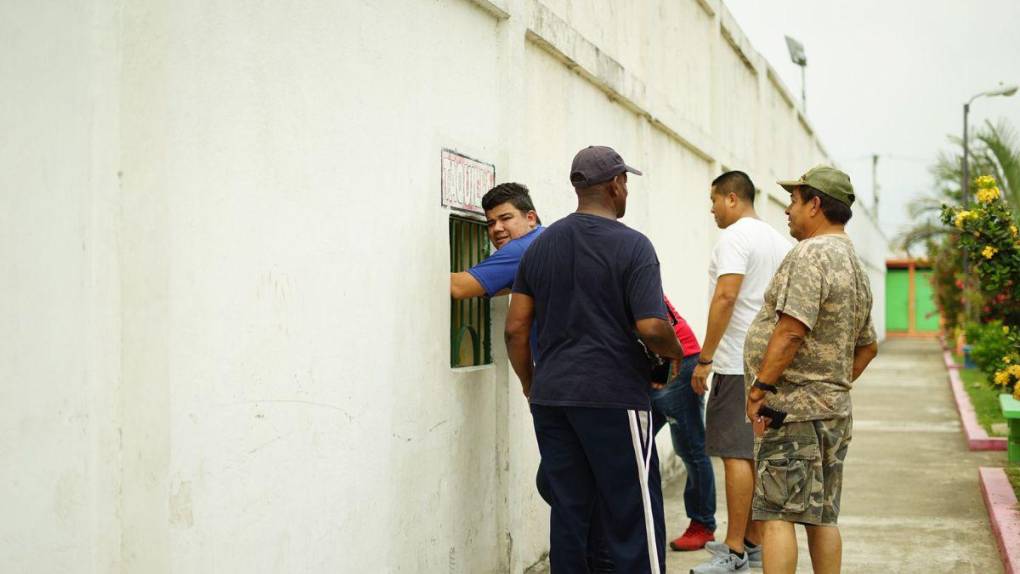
[(799, 471)]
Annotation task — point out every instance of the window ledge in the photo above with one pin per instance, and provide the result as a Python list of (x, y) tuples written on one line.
[(472, 369)]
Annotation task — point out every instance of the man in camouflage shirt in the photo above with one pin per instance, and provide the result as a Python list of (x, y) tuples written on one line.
[(812, 338)]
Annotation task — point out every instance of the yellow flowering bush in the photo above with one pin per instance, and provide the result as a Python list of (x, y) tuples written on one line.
[(984, 181), (988, 194), (995, 349), (960, 220), (987, 232), (1007, 378)]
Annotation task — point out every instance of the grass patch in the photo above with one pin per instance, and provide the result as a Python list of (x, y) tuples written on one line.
[(984, 399), (1013, 473)]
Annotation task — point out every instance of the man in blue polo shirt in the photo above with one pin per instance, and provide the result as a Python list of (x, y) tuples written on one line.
[(512, 225), (591, 285)]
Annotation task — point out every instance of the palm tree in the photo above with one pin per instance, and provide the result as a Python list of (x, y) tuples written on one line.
[(994, 152), (1002, 159)]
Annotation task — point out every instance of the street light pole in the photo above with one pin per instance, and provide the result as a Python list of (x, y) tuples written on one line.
[(965, 189), (803, 87), (798, 57), (874, 182), (966, 157)]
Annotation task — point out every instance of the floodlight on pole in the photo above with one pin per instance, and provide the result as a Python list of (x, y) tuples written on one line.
[(965, 184), (797, 56), (1000, 91)]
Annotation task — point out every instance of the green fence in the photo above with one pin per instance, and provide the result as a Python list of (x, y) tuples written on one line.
[(910, 302), (470, 319), (897, 300)]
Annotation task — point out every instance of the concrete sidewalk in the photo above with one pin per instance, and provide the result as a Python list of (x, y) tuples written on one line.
[(911, 500)]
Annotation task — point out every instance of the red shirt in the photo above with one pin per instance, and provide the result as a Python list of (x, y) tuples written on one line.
[(683, 331)]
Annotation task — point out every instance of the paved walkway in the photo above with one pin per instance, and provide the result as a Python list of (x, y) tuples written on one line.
[(911, 500)]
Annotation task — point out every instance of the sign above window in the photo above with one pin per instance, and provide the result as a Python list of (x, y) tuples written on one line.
[(465, 181)]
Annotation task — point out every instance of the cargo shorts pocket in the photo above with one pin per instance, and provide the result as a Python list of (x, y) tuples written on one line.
[(785, 467)]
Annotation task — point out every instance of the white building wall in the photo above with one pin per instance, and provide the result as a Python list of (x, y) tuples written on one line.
[(306, 412), (228, 335), (59, 323)]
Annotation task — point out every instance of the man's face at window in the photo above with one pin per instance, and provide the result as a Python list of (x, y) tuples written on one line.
[(506, 222)]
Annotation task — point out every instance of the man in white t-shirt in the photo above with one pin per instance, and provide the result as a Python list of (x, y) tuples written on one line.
[(743, 262)]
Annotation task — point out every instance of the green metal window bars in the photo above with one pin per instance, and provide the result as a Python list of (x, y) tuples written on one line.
[(470, 319)]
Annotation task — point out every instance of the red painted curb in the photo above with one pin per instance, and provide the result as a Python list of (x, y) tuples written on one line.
[(977, 438), (1003, 514), (947, 358)]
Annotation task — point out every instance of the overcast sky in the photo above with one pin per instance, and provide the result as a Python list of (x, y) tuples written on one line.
[(890, 77)]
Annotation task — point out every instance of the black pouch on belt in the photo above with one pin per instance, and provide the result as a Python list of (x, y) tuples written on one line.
[(660, 368), (777, 416)]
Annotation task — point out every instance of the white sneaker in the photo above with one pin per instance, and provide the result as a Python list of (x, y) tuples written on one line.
[(753, 554), (722, 564)]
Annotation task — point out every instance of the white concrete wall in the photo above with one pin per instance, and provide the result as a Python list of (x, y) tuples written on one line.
[(288, 274), (226, 323), (59, 310), (873, 248), (676, 88)]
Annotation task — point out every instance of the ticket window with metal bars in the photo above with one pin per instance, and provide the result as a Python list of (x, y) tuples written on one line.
[(470, 319)]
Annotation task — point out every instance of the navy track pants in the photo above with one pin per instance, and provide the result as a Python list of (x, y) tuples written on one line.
[(604, 457)]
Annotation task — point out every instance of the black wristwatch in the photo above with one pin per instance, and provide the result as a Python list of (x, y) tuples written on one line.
[(764, 386), (703, 361)]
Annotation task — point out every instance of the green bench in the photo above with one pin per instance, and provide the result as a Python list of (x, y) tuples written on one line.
[(1011, 410)]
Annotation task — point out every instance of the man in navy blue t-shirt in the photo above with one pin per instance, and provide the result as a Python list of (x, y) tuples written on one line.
[(512, 225), (591, 285)]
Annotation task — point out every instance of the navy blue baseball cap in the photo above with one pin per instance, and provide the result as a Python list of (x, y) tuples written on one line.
[(597, 164)]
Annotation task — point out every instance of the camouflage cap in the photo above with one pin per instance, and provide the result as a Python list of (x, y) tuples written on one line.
[(828, 180)]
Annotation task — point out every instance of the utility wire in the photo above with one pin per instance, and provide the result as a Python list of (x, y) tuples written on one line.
[(899, 157)]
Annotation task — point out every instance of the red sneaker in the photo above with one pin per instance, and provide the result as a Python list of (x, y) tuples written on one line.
[(694, 538)]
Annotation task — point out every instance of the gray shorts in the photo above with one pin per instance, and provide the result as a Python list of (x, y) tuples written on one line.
[(728, 433)]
